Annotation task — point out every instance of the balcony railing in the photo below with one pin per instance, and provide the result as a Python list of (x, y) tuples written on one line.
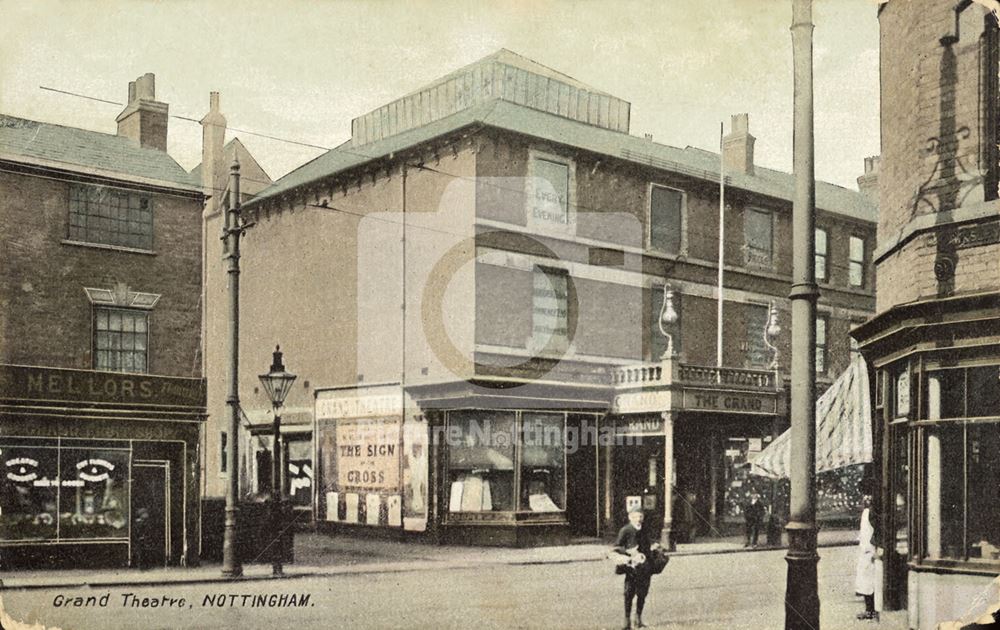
[(659, 373)]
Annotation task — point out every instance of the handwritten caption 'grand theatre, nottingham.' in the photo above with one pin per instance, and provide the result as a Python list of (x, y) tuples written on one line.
[(209, 600)]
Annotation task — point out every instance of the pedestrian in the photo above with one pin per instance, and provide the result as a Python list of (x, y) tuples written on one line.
[(753, 513), (633, 541), (866, 574)]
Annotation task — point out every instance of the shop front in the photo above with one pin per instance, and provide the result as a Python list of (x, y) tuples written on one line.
[(937, 423), (100, 468), (685, 436)]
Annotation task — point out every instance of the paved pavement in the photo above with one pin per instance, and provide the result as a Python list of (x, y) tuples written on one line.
[(319, 554)]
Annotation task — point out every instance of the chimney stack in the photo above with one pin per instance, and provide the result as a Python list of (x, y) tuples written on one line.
[(144, 119), (213, 140), (737, 147), (868, 183)]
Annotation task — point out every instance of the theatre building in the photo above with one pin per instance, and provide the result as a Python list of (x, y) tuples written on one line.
[(101, 396), (934, 341), (472, 289)]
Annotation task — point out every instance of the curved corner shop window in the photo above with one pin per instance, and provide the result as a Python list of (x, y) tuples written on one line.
[(481, 461), (52, 493)]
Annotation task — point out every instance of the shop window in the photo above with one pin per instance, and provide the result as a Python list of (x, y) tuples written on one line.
[(821, 344), (29, 500), (983, 474), (901, 394), (757, 352), (943, 519), (108, 216), (481, 461), (963, 393), (93, 501), (856, 265), (543, 479), (550, 314), (56, 493), (820, 258), (758, 233), (665, 219), (121, 338)]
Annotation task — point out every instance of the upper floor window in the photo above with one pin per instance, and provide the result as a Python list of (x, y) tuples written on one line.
[(758, 233), (757, 352), (665, 219), (121, 338), (550, 199), (857, 261), (821, 255), (550, 314), (98, 214), (821, 347)]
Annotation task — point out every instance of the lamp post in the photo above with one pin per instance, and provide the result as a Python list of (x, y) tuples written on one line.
[(801, 589), (277, 383), (233, 229)]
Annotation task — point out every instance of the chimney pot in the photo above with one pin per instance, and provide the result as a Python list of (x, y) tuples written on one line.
[(868, 183), (144, 119), (737, 147)]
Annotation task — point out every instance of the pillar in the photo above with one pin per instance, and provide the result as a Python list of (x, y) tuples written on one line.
[(668, 479)]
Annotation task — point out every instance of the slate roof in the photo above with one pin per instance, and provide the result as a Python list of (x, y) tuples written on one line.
[(531, 122), (72, 148)]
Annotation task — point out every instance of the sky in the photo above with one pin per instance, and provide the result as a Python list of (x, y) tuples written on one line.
[(301, 70)]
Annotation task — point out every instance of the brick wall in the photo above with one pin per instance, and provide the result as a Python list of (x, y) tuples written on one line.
[(47, 318), (932, 143)]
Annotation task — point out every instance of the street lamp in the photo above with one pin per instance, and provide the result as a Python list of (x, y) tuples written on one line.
[(771, 331), (277, 384), (668, 317)]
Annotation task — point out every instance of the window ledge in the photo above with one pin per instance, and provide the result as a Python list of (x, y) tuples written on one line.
[(982, 567), (117, 248)]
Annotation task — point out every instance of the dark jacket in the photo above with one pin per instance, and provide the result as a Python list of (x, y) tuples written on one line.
[(754, 512), (629, 538)]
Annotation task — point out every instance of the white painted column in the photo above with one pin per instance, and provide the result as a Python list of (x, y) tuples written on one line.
[(668, 477)]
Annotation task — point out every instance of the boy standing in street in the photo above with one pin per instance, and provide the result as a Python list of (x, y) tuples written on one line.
[(633, 541)]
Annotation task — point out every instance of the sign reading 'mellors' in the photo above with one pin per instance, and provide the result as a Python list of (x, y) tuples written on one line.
[(35, 383)]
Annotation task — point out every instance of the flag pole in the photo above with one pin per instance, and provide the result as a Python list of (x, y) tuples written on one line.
[(722, 241)]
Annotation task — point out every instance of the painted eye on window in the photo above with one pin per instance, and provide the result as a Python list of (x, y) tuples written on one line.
[(22, 469), (94, 469)]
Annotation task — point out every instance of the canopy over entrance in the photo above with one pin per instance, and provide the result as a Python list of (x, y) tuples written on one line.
[(843, 428)]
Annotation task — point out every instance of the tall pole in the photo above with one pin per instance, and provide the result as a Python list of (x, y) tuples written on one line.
[(277, 492), (722, 248), (231, 565), (801, 596)]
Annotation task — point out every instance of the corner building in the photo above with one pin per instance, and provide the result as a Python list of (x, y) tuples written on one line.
[(933, 342), (101, 395), (470, 294)]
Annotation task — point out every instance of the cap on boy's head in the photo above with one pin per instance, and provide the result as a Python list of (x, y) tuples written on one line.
[(635, 509)]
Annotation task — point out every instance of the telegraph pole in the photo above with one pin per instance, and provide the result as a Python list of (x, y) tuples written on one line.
[(231, 565), (801, 593)]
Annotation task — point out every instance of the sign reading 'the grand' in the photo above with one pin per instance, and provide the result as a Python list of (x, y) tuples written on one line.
[(53, 384)]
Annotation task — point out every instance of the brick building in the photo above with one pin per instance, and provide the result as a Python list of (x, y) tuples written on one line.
[(934, 339), (101, 396), (484, 263)]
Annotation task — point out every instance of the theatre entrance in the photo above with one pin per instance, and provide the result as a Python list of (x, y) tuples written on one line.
[(638, 479)]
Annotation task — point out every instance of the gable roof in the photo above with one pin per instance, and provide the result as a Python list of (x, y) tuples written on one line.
[(531, 122), (235, 149), (75, 149)]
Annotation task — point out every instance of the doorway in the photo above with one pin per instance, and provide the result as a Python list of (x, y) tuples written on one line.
[(638, 473), (581, 467), (150, 536)]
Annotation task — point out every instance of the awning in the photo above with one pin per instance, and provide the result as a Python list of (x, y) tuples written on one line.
[(843, 428)]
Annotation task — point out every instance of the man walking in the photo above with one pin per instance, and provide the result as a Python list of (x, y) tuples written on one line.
[(753, 512), (633, 541)]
